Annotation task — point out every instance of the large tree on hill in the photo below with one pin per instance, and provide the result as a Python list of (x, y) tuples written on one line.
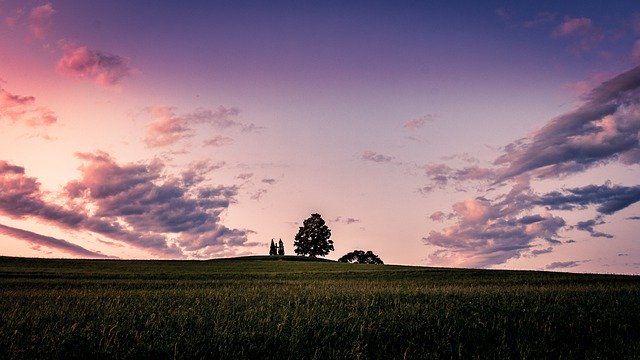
[(313, 238), (361, 257)]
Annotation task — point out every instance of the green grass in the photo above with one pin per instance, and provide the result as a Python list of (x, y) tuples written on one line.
[(258, 307)]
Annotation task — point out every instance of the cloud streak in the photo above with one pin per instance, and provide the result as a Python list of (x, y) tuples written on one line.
[(51, 242)]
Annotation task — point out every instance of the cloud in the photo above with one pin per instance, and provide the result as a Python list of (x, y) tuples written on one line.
[(196, 172), (167, 127), (218, 141), (347, 220), (609, 199), (573, 26), (604, 129), (23, 109), (134, 203), (101, 67), (40, 20), (417, 123), (244, 176), (48, 241), (490, 232), (588, 227), (633, 218), (581, 30), (269, 181), (562, 265), (542, 18), (258, 194), (369, 155)]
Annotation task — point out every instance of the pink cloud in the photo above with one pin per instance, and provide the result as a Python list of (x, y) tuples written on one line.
[(101, 67), (581, 31), (40, 20), (22, 108), (573, 26), (167, 127), (417, 123)]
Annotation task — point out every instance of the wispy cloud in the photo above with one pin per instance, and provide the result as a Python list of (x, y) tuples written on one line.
[(167, 127), (18, 108), (40, 19)]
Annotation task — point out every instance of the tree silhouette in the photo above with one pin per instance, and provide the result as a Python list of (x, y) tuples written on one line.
[(280, 248), (361, 257), (272, 249), (313, 238)]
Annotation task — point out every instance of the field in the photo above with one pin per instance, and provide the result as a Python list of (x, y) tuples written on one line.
[(259, 307)]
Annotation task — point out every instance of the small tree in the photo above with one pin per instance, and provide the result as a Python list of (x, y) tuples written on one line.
[(361, 257), (313, 238), (280, 248), (272, 249)]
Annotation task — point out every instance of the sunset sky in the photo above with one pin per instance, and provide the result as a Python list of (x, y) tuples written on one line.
[(493, 134)]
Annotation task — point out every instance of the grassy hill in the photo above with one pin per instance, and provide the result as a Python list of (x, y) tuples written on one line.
[(284, 307)]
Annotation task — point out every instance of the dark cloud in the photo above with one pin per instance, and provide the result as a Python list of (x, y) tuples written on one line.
[(345, 220), (562, 265), (633, 218), (51, 242), (101, 67), (369, 155), (133, 203), (588, 227), (609, 199), (269, 181), (604, 129)]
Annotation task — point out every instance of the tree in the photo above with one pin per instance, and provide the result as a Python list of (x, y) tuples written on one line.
[(361, 257), (272, 249), (280, 248), (313, 238)]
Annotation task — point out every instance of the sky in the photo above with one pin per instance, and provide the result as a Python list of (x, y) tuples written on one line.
[(493, 134)]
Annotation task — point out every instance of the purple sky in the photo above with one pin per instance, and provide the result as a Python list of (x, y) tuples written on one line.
[(467, 134)]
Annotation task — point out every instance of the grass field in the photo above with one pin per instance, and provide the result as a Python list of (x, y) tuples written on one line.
[(262, 308)]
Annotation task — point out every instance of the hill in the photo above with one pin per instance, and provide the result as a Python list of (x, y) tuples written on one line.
[(270, 307)]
